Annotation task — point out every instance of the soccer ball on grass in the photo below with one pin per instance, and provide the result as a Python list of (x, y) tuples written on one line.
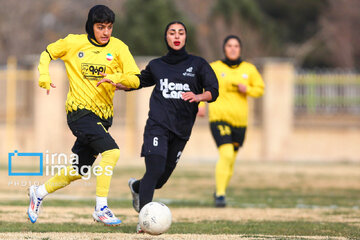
[(155, 218)]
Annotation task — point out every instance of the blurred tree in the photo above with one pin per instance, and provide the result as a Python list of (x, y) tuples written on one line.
[(143, 24), (246, 19), (340, 33), (296, 20)]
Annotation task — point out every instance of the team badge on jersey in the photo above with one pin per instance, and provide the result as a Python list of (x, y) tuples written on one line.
[(81, 54), (223, 74), (189, 72), (109, 57)]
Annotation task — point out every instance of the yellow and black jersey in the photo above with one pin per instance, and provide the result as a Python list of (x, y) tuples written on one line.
[(232, 106), (84, 60)]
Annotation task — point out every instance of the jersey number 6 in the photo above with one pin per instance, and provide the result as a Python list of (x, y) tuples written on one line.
[(155, 141)]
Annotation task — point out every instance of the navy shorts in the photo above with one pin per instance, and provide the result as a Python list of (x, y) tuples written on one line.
[(224, 133), (158, 140), (92, 138)]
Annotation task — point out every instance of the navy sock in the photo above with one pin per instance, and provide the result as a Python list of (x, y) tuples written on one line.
[(155, 167)]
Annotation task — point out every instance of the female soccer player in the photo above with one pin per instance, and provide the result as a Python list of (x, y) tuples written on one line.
[(229, 114), (181, 82), (89, 108)]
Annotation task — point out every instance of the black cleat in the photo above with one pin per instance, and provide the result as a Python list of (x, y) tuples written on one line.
[(220, 201)]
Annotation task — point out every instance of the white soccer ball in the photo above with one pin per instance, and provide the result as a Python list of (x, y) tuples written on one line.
[(155, 218)]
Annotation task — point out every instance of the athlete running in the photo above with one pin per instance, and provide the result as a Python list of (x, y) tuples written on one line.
[(89, 108)]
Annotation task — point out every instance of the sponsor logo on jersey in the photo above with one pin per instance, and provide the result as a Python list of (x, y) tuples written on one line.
[(96, 52), (245, 76), (189, 72), (81, 54), (223, 74), (171, 90), (92, 71), (109, 57)]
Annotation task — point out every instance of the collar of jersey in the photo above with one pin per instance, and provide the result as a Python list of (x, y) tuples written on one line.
[(95, 43)]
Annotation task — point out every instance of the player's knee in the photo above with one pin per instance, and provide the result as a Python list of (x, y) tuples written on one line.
[(156, 173), (110, 157), (226, 152), (160, 184)]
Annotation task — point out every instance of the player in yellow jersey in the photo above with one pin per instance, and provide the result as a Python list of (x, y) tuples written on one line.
[(88, 57), (228, 115)]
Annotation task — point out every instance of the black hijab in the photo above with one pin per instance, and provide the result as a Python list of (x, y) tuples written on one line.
[(98, 14), (174, 56), (236, 62)]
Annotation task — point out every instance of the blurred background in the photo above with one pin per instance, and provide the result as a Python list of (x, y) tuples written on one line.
[(307, 51)]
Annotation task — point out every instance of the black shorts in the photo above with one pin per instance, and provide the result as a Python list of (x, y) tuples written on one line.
[(158, 140), (224, 133), (92, 138)]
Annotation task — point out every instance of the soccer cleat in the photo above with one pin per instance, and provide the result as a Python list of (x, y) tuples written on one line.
[(220, 201), (34, 205), (106, 216), (135, 196), (138, 229)]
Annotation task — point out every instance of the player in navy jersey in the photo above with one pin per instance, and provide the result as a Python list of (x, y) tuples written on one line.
[(181, 81)]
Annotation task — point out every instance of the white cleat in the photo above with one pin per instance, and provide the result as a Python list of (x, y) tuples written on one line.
[(135, 196), (34, 205), (106, 216)]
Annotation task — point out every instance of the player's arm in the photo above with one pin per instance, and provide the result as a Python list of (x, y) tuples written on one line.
[(202, 109), (128, 77), (209, 83), (44, 78), (53, 51), (145, 79), (256, 86)]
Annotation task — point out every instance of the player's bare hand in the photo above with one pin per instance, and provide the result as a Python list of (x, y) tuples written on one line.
[(201, 112), (119, 86), (191, 97), (105, 80), (242, 88), (48, 90)]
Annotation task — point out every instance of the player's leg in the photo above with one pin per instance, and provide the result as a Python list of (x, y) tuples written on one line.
[(154, 150), (101, 140), (175, 149), (155, 167), (223, 167), (238, 135), (86, 157), (221, 132)]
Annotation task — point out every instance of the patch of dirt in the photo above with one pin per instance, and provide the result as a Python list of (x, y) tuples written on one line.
[(128, 215), (113, 236)]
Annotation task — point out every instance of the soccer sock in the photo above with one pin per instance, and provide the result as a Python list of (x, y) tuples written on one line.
[(100, 202), (223, 171), (136, 186), (41, 191), (66, 176), (232, 164), (155, 166), (107, 164)]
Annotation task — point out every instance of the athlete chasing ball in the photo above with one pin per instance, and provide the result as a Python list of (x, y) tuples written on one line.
[(89, 107), (181, 81)]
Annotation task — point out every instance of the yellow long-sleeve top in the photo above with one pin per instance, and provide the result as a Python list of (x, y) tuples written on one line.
[(84, 60), (232, 106)]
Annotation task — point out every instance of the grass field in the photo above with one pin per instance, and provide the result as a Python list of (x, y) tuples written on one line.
[(267, 200)]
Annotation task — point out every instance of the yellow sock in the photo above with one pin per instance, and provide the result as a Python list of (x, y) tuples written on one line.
[(107, 164), (223, 169), (66, 176), (231, 169)]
